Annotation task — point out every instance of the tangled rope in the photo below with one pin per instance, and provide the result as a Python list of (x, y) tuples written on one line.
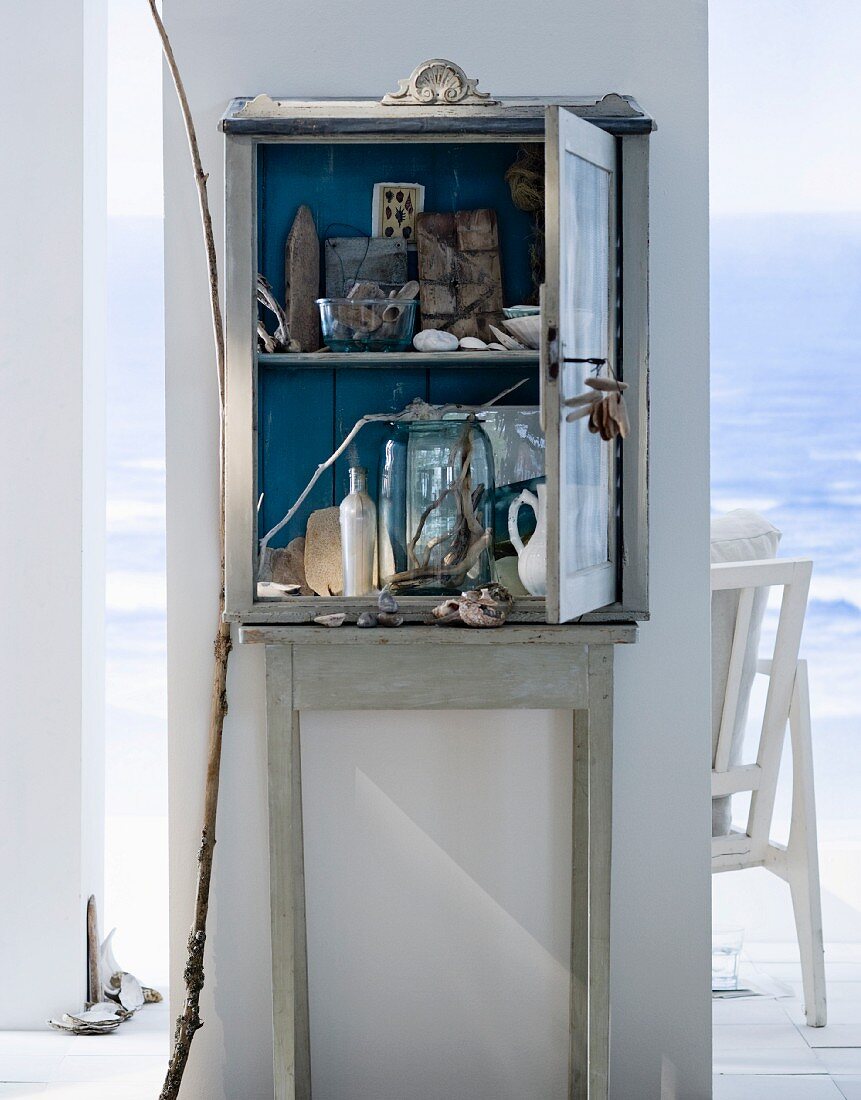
[(525, 179)]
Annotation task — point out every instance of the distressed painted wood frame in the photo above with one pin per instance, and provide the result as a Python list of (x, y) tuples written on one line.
[(575, 673), (366, 121), (567, 667)]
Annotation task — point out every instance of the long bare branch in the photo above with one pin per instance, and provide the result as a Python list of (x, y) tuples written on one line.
[(189, 1020)]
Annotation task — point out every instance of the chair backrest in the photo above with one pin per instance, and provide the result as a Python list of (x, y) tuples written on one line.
[(729, 777), (738, 536)]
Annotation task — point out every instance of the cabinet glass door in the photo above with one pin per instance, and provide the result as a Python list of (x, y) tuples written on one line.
[(578, 315)]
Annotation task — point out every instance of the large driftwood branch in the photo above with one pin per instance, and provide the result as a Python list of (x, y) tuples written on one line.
[(189, 1020), (416, 410)]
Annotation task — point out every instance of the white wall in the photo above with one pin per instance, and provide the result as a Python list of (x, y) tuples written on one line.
[(52, 63), (436, 845)]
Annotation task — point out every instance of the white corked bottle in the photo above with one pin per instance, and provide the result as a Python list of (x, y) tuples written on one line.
[(358, 535)]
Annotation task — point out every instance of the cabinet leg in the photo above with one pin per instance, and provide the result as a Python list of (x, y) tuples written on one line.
[(589, 1052), (292, 1064)]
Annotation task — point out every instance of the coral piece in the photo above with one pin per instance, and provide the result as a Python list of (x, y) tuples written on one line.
[(323, 568)]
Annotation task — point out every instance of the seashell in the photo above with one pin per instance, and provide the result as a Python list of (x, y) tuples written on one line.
[(108, 964), (507, 341), (387, 602), (608, 385), (434, 339), (130, 993), (485, 607), (493, 346), (389, 618), (366, 619), (99, 1019), (270, 588), (471, 343), (525, 329), (449, 607), (330, 620), (151, 996), (104, 1012)]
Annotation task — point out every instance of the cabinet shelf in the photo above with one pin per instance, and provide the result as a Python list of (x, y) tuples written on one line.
[(456, 360)]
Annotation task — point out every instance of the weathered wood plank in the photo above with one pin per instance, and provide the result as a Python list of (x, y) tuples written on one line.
[(240, 315), (293, 612), (513, 116), (578, 1016), (292, 1048), (453, 360), (302, 280), (437, 677), (634, 361), (509, 635), (459, 270), (600, 763)]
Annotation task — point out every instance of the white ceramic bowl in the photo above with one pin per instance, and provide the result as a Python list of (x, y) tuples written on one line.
[(525, 329)]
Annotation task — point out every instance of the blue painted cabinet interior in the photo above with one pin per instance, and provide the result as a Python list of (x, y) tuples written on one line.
[(304, 412)]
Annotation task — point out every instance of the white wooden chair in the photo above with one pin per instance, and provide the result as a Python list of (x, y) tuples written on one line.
[(787, 702)]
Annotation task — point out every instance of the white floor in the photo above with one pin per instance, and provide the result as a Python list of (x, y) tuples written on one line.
[(129, 1064), (763, 1050)]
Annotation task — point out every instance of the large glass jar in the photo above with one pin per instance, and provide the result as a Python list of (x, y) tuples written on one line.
[(436, 507)]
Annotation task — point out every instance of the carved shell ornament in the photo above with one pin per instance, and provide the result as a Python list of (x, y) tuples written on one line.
[(437, 82)]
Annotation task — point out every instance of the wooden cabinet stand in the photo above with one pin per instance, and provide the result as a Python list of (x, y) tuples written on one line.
[(312, 669)]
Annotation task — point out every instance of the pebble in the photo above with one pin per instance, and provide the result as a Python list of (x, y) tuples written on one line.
[(471, 343), (387, 602), (385, 618), (330, 620), (366, 619), (434, 339)]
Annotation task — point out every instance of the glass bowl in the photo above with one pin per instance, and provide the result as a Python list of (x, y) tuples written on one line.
[(367, 324)]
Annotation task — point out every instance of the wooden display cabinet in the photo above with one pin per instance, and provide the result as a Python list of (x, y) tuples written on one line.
[(286, 413)]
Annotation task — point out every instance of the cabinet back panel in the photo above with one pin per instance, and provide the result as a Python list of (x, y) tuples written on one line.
[(337, 182), (303, 414)]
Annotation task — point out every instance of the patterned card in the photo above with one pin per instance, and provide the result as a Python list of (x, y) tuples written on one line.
[(394, 209)]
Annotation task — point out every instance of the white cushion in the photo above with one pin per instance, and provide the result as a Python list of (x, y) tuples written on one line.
[(740, 535)]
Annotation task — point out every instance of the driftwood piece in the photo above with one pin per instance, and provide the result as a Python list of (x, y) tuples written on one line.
[(94, 975), (459, 271), (285, 566), (369, 259), (266, 297), (302, 280)]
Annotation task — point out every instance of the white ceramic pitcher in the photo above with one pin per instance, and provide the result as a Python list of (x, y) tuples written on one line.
[(531, 558)]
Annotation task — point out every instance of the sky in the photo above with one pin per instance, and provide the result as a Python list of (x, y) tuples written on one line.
[(134, 111), (785, 107), (785, 128)]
